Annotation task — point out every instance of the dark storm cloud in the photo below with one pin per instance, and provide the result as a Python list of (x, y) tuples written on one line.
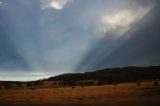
[(141, 49), (10, 59), (52, 37)]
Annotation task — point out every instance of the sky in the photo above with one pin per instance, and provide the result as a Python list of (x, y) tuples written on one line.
[(44, 38)]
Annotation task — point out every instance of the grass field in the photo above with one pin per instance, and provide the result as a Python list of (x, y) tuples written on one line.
[(128, 94)]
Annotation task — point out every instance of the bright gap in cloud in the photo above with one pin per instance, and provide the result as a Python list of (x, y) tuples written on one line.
[(1, 2), (55, 4), (23, 76), (29, 76), (119, 23)]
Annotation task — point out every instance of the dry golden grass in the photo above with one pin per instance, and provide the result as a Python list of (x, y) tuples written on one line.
[(109, 95)]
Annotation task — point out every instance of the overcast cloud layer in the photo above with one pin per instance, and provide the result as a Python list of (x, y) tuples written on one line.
[(42, 38)]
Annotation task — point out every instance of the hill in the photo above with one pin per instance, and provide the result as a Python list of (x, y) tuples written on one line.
[(99, 77), (112, 75)]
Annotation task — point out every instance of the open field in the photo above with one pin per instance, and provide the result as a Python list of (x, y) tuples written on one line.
[(109, 95)]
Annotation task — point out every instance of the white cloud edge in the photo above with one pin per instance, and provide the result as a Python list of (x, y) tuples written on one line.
[(121, 21), (54, 4), (1, 2), (29, 76)]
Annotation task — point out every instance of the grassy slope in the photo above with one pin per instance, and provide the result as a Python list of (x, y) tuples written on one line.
[(111, 95), (113, 75)]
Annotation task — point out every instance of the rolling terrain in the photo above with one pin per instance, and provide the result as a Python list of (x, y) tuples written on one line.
[(128, 94), (128, 86)]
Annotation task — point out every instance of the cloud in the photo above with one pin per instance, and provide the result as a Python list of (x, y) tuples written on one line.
[(1, 2), (27, 2), (21, 76), (141, 49), (53, 42), (111, 19), (143, 62), (120, 22), (55, 4)]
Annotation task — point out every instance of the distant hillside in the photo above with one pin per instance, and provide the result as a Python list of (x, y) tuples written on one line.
[(113, 75), (100, 77)]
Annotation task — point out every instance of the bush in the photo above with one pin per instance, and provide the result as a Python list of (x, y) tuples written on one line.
[(155, 83)]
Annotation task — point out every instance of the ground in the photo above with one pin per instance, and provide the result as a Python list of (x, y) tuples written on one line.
[(128, 94)]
